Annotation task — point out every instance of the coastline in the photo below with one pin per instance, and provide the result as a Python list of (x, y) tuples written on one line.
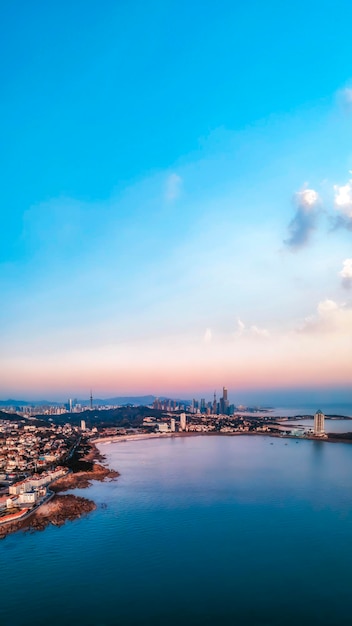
[(59, 508), (333, 438)]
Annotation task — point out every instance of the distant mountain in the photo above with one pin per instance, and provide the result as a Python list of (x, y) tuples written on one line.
[(139, 400), (11, 417), (119, 400), (11, 402)]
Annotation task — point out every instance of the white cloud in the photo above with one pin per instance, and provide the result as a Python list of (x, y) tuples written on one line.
[(326, 307), (307, 197), (343, 199), (344, 97), (346, 273), (173, 187), (240, 328), (208, 335), (347, 94), (330, 317), (262, 333), (304, 221), (252, 331)]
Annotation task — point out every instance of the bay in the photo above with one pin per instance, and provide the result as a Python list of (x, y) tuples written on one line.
[(246, 530)]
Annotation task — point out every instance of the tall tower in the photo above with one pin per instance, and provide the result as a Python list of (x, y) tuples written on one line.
[(91, 400), (319, 429), (215, 406)]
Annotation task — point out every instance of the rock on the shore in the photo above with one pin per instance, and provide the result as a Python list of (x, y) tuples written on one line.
[(57, 511), (60, 509), (82, 480)]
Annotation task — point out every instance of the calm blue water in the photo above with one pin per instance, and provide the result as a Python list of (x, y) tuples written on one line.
[(240, 531)]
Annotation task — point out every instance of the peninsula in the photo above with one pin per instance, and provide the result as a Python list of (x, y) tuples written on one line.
[(37, 501)]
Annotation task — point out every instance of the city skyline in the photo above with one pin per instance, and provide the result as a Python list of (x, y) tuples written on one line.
[(177, 201), (286, 399)]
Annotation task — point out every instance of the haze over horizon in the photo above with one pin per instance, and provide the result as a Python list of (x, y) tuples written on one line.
[(177, 199)]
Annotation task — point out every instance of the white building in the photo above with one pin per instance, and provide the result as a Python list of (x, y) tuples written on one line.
[(12, 501), (37, 481), (28, 498), (163, 427), (319, 429), (22, 487), (173, 425), (83, 425), (183, 421)]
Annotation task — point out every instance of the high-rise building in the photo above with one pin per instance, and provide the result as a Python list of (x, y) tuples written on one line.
[(319, 428), (224, 403), (215, 407), (83, 425), (183, 421), (173, 425)]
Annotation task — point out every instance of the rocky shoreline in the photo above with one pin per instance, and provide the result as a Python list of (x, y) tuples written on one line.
[(69, 507), (82, 480), (56, 512)]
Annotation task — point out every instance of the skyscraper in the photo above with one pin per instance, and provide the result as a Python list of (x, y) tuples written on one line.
[(319, 429), (224, 403), (183, 421), (214, 404)]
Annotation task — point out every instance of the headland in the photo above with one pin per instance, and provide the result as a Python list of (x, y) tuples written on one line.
[(55, 508)]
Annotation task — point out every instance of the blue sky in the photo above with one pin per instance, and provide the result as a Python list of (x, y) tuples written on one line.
[(176, 197)]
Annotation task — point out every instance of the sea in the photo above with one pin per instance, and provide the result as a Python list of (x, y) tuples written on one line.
[(242, 530)]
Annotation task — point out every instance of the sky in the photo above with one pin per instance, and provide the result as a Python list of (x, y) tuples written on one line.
[(176, 199)]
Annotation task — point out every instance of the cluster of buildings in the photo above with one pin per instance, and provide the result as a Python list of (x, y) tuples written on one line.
[(22, 496), (215, 406), (32, 454), (26, 448), (200, 407), (236, 423), (217, 416), (167, 424), (30, 410)]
